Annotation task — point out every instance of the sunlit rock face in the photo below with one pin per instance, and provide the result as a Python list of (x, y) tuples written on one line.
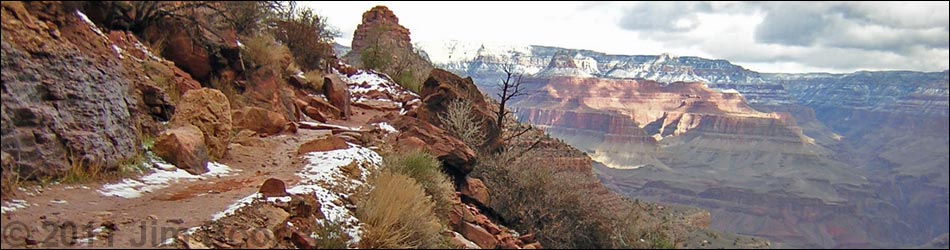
[(809, 160)]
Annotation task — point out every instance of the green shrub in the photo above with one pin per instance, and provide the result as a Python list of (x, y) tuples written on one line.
[(398, 214), (408, 80)]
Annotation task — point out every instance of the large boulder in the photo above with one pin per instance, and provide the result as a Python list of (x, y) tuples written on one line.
[(475, 189), (456, 157), (338, 94), (258, 120), (479, 235), (209, 110), (184, 147)]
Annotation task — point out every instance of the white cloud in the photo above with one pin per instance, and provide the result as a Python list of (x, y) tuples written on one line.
[(762, 36)]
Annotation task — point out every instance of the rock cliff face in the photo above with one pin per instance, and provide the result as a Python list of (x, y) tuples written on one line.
[(379, 26), (807, 159), (72, 94)]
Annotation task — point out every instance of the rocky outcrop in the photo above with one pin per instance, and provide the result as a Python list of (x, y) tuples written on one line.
[(457, 158), (258, 120), (442, 88), (200, 46), (283, 225), (479, 235), (210, 111), (475, 189), (379, 25), (183, 147), (68, 95), (473, 227), (337, 94)]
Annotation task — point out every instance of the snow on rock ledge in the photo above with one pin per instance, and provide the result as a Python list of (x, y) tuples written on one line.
[(369, 87)]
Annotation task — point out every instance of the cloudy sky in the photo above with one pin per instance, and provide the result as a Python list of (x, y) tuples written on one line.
[(762, 36)]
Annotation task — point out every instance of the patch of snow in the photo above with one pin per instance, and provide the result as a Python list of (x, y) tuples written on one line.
[(237, 205), (283, 199), (118, 51), (324, 177), (85, 241), (167, 242), (13, 205), (163, 174), (374, 81), (215, 169), (91, 24), (58, 201), (146, 51), (98, 230), (386, 127), (729, 91), (330, 125)]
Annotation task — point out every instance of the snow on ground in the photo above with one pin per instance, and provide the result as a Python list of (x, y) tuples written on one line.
[(118, 51), (374, 81), (91, 24), (146, 51), (13, 205), (386, 127), (318, 124), (163, 174), (324, 177)]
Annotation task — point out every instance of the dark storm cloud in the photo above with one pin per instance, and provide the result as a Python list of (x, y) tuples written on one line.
[(870, 26), (791, 26), (662, 16), (818, 34)]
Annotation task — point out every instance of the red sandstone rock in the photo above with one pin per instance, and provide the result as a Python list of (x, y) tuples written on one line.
[(475, 189), (479, 235), (258, 120), (323, 144), (184, 147), (209, 110), (338, 94), (455, 156), (273, 188)]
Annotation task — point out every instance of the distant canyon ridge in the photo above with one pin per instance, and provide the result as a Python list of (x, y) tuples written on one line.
[(806, 160)]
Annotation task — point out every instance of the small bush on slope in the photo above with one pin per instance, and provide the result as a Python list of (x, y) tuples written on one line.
[(427, 171), (561, 208), (265, 53), (459, 121), (397, 214)]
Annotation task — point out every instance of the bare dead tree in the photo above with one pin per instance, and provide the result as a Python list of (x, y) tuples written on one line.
[(509, 88)]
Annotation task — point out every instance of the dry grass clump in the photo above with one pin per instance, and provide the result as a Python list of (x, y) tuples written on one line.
[(427, 171), (398, 214)]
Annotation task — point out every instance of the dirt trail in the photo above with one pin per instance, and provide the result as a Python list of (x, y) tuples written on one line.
[(65, 215)]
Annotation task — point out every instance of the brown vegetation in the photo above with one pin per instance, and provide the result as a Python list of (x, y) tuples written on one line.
[(398, 214)]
